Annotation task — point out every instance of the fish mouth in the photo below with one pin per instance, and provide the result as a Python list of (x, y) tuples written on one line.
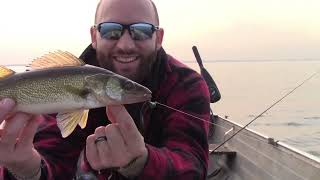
[(126, 99), (147, 96), (136, 98), (125, 59)]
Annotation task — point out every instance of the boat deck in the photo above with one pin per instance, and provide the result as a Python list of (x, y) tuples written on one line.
[(252, 156)]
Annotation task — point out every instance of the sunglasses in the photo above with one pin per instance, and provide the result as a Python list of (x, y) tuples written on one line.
[(137, 31)]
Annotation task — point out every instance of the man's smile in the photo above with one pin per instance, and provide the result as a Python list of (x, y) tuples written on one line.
[(125, 59)]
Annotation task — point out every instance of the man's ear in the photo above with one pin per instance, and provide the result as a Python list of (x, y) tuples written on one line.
[(159, 36), (93, 33)]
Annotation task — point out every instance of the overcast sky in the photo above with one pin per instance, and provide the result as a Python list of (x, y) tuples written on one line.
[(222, 29)]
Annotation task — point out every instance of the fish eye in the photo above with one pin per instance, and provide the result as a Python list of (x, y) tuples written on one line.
[(128, 86)]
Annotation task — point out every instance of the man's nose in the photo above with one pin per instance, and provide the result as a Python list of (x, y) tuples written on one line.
[(126, 43)]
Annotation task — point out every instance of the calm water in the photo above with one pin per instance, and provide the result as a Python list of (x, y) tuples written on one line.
[(248, 88)]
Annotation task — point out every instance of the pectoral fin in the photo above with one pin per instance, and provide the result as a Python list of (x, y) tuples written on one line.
[(68, 121)]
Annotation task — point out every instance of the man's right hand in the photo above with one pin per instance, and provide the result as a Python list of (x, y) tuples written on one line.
[(17, 131)]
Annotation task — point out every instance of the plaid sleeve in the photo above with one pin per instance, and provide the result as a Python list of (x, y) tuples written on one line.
[(60, 154), (184, 153)]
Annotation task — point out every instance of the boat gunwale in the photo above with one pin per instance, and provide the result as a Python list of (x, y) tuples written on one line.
[(281, 145)]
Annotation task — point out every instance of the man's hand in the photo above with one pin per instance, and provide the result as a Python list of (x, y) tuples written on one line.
[(123, 146), (17, 131)]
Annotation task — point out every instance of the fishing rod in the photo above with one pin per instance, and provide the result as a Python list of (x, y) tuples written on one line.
[(267, 109)]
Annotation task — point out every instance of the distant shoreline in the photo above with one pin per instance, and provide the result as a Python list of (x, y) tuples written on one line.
[(256, 61), (221, 61)]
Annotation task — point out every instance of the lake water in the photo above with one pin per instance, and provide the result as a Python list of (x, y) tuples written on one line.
[(248, 88)]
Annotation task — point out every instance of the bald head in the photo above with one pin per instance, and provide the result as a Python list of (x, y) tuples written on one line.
[(146, 6)]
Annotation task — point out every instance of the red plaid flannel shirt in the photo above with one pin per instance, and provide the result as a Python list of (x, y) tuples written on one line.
[(177, 143)]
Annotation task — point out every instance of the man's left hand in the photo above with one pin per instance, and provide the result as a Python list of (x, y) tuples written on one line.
[(118, 144)]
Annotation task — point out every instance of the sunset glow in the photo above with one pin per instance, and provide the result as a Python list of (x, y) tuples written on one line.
[(222, 30)]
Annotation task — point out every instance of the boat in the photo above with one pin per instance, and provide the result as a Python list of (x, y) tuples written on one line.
[(239, 153), (250, 155)]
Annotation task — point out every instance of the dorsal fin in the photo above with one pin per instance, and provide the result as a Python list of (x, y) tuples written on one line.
[(56, 59), (5, 72)]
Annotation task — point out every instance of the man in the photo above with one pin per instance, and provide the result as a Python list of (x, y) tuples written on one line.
[(117, 145)]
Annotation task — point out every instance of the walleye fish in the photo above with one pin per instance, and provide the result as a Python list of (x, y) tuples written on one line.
[(61, 83)]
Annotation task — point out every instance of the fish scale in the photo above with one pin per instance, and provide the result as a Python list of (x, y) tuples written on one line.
[(39, 90)]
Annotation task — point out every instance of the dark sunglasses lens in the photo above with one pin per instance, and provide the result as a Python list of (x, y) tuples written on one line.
[(141, 31), (112, 31)]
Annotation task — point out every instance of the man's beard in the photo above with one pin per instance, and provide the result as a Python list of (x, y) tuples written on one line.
[(143, 69)]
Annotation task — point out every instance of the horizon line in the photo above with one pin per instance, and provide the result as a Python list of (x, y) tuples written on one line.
[(216, 61), (262, 60)]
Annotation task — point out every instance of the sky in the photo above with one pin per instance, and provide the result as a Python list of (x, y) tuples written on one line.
[(221, 29)]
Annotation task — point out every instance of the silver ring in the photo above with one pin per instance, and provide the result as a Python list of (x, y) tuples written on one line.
[(99, 139)]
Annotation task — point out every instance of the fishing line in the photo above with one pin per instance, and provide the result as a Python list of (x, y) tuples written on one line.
[(155, 103), (290, 92)]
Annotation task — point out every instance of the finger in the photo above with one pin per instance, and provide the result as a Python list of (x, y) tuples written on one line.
[(104, 154), (103, 147), (6, 105), (118, 114), (117, 146), (92, 154), (2, 124), (1, 127), (27, 135), (13, 127)]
